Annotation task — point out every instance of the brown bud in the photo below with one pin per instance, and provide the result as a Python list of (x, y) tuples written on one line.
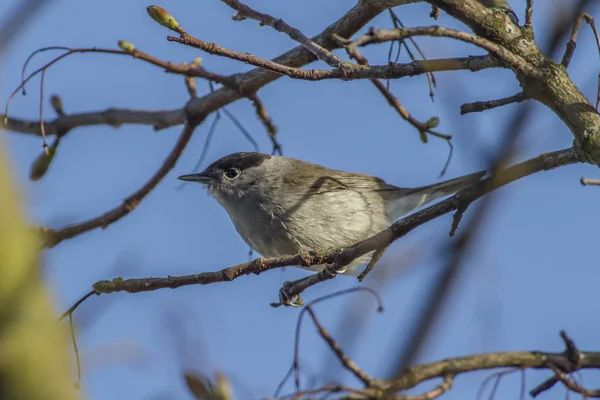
[(42, 163), (57, 105)]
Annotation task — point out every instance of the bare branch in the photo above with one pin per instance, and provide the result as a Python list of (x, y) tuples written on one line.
[(52, 237), (528, 14), (572, 363), (338, 258), (398, 24), (187, 70), (263, 116), (379, 36), (593, 182), (346, 361), (374, 259), (278, 24), (479, 106), (74, 307), (422, 127), (412, 376), (352, 71), (571, 44), (112, 117), (76, 350)]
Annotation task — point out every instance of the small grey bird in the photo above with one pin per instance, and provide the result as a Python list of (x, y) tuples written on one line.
[(282, 206)]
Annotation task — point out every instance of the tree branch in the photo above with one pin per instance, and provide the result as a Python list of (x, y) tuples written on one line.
[(412, 376), (278, 24), (338, 258), (52, 237), (479, 106), (379, 36), (551, 86)]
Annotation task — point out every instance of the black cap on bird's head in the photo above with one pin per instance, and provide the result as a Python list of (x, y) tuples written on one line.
[(226, 168)]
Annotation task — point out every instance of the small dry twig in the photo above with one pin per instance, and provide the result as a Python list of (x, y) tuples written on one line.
[(346, 362), (243, 12), (398, 24), (528, 15), (263, 116), (592, 182), (571, 44), (385, 35), (374, 259), (422, 127), (479, 106), (52, 237)]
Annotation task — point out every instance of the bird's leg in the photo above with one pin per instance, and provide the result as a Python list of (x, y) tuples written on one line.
[(334, 268), (289, 294), (286, 298)]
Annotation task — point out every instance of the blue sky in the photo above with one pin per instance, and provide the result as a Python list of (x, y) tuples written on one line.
[(531, 273)]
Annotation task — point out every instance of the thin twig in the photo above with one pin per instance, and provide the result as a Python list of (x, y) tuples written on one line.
[(571, 44), (190, 84), (295, 364), (384, 35), (573, 362), (528, 14), (479, 106), (278, 24), (593, 182), (24, 68), (75, 349), (186, 70), (422, 127), (523, 385), (436, 391), (572, 385), (346, 361), (42, 129), (350, 71), (52, 237), (77, 304), (374, 259), (263, 116), (430, 76)]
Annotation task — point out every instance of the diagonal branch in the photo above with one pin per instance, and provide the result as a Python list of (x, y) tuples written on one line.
[(572, 43), (52, 237), (279, 25)]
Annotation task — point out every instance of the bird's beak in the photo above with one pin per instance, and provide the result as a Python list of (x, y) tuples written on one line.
[(200, 178)]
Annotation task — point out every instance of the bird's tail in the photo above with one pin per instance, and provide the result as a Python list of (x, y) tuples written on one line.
[(416, 197)]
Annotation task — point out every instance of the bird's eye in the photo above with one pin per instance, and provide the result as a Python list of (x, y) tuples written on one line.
[(232, 173)]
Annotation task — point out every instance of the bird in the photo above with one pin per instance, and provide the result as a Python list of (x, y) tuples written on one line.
[(285, 206)]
